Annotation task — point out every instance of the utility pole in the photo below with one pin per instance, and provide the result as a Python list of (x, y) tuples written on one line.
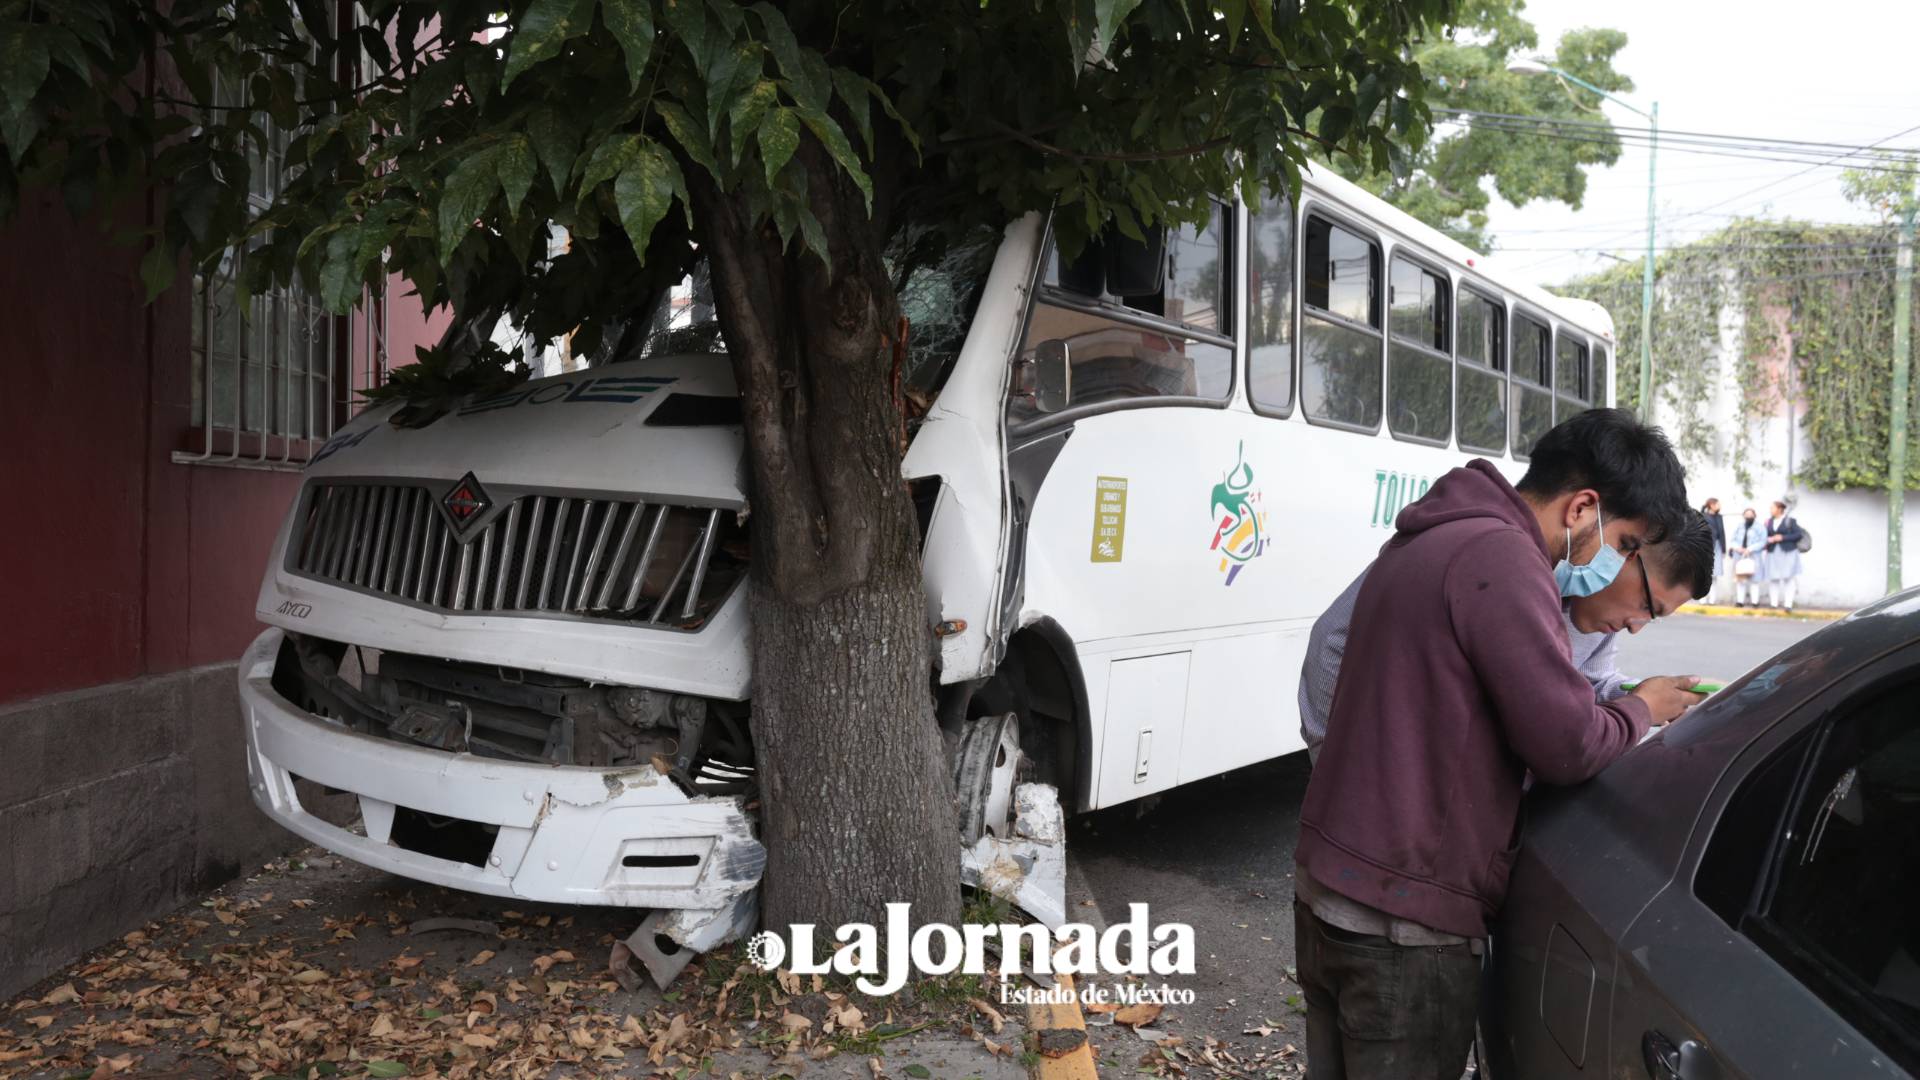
[(1902, 343), (1646, 275)]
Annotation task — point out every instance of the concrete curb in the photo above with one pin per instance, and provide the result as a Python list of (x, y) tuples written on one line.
[(1803, 614), (1054, 1026)]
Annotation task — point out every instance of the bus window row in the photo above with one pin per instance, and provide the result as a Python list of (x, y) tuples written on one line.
[(1396, 336)]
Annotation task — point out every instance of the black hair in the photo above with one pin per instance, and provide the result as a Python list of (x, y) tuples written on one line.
[(1629, 463), (1685, 557)]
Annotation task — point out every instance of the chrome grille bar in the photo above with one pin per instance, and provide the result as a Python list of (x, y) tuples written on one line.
[(591, 557)]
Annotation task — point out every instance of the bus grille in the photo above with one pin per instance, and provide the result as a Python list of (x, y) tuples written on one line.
[(623, 560)]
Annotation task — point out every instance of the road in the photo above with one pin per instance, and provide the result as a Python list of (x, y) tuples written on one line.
[(1218, 855)]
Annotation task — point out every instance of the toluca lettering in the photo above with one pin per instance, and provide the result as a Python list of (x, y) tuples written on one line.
[(1392, 491)]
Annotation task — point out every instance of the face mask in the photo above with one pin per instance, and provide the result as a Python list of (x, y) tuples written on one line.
[(1597, 574)]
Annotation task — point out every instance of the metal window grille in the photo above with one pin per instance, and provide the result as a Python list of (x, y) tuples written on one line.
[(274, 378)]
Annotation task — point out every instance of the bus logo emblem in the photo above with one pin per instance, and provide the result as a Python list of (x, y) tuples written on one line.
[(467, 501), (1239, 519)]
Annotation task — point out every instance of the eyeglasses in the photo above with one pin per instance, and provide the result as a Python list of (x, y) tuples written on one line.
[(1646, 590)]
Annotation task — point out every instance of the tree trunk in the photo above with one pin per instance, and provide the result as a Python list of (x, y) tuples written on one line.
[(857, 801)]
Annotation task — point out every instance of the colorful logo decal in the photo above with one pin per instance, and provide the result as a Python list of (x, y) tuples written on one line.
[(467, 501), (1239, 522)]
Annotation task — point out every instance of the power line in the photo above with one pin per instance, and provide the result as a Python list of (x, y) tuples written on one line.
[(1758, 152), (1607, 127)]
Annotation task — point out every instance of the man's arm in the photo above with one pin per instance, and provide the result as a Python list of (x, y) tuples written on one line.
[(1601, 663), (1507, 620)]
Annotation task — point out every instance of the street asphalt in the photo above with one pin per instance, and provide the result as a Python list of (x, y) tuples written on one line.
[(1218, 855)]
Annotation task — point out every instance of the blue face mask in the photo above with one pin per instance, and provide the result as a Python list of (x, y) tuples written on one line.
[(1599, 571)]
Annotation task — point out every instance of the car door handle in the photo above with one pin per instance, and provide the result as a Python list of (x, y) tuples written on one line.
[(1688, 1061)]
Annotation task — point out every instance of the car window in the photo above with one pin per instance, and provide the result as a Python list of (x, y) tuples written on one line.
[(1818, 861)]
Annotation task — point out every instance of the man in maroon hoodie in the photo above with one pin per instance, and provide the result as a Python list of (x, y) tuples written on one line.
[(1455, 685)]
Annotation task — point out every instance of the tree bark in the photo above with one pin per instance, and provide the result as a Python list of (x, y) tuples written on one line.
[(857, 803)]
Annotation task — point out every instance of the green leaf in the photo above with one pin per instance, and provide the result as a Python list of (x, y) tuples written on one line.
[(515, 168), (23, 64), (631, 23), (779, 138), (734, 70), (644, 193), (19, 129), (608, 160), (688, 134), (917, 1071), (1109, 14), (339, 276), (853, 91), (157, 268), (469, 188), (556, 140), (788, 54), (746, 113), (386, 1068), (835, 140), (547, 26)]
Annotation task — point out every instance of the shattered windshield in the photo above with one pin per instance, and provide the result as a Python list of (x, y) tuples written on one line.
[(939, 286)]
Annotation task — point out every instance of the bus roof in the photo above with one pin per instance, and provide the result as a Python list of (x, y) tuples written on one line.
[(1585, 314)]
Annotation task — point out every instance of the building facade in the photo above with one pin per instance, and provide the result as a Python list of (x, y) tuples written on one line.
[(148, 453)]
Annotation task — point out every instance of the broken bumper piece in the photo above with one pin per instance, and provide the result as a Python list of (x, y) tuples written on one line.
[(560, 834), (1030, 869)]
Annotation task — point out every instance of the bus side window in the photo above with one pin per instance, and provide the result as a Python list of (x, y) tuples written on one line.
[(1482, 352), (1340, 337), (1532, 383), (1600, 376), (1419, 366), (1173, 344), (1270, 307), (1572, 378)]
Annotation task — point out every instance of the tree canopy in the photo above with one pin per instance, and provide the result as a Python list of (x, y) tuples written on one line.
[(1467, 70), (439, 139)]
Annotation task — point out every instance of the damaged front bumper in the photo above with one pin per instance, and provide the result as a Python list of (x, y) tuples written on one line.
[(626, 837)]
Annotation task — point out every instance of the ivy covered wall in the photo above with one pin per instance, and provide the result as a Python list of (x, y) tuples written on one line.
[(1808, 311)]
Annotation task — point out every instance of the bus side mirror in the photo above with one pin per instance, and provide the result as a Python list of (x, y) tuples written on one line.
[(1048, 376)]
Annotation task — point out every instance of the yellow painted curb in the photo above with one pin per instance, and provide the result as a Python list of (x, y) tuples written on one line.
[(1045, 1015), (1760, 612)]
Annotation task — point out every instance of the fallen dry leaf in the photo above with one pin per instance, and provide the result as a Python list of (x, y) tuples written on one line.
[(406, 963), (61, 995), (992, 1014), (382, 1026), (40, 1021), (310, 976), (480, 957), (793, 1021), (1145, 1012)]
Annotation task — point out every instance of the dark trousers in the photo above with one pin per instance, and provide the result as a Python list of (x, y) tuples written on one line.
[(1381, 1011)]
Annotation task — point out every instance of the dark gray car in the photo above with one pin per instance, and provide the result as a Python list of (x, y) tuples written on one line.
[(1740, 895)]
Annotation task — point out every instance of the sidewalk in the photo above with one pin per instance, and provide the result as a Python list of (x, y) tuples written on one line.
[(320, 967), (1812, 614)]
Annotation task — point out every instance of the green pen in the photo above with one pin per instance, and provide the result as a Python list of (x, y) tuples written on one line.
[(1696, 688)]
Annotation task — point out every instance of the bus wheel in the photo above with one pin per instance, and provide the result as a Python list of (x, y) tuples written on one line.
[(985, 769)]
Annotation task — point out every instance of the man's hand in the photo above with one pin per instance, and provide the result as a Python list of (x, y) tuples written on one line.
[(1667, 696)]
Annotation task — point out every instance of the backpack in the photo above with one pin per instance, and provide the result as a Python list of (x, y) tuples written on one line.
[(1806, 539)]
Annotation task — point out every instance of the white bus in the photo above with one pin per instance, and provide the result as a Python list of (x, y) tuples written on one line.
[(1141, 477)]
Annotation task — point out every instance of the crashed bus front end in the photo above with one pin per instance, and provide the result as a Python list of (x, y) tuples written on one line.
[(514, 634), (522, 656)]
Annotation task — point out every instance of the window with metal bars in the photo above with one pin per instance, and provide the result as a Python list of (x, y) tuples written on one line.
[(273, 375)]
